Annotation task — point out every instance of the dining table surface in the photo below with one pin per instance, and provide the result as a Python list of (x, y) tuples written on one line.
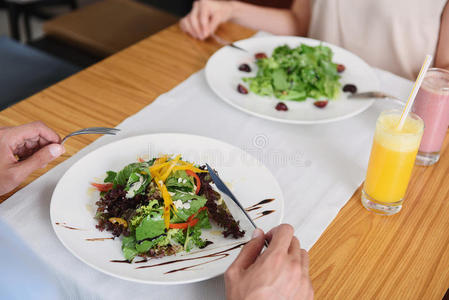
[(359, 256)]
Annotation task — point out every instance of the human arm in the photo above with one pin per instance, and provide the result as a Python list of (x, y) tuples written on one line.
[(207, 15), (280, 272), (24, 149), (442, 52)]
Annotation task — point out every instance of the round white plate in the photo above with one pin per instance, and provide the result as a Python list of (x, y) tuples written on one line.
[(223, 76), (73, 208)]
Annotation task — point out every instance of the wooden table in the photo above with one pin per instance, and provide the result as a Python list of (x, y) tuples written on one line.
[(359, 256)]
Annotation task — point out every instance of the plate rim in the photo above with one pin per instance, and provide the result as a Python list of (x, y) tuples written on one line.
[(207, 71), (187, 281)]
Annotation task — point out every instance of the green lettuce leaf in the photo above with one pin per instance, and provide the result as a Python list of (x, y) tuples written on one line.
[(137, 183), (122, 177), (129, 247), (179, 181), (151, 226), (203, 220), (280, 80), (146, 245), (142, 212), (196, 202), (110, 176), (193, 238)]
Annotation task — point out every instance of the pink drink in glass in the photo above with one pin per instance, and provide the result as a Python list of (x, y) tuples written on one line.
[(432, 105)]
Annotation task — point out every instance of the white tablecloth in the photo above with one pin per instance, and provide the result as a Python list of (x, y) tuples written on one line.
[(321, 168)]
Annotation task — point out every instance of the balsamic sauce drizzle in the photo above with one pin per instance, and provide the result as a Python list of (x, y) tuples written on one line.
[(259, 205), (141, 261), (193, 266), (253, 208), (99, 239), (264, 213), (68, 227), (220, 255), (120, 261)]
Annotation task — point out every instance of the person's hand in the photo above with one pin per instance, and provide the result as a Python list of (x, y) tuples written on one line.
[(205, 17), (23, 149), (280, 272)]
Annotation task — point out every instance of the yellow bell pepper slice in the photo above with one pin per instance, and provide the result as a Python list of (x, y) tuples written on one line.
[(167, 201), (158, 164), (160, 160), (166, 172), (119, 221), (155, 170), (191, 168), (161, 186)]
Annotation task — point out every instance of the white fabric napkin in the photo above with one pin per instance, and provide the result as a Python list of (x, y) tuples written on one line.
[(321, 167)]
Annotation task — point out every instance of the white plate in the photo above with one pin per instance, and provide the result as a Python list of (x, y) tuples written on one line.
[(73, 205), (223, 76)]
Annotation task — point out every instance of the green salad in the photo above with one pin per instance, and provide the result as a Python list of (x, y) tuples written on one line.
[(297, 74), (160, 207)]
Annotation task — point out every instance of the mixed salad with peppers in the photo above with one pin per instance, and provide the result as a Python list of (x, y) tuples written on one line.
[(161, 206)]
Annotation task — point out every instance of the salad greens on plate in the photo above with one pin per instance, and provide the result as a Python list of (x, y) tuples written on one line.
[(160, 207), (297, 74)]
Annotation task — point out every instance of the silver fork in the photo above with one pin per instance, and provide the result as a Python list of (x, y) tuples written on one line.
[(376, 95), (224, 42), (92, 130)]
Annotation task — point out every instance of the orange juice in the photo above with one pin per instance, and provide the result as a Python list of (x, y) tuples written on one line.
[(391, 162)]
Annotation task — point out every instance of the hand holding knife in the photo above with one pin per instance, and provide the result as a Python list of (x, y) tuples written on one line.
[(224, 189)]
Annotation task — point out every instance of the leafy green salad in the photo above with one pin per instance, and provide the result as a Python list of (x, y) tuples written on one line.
[(297, 74), (160, 207)]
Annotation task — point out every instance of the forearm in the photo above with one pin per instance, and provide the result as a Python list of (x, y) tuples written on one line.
[(277, 21), (442, 52)]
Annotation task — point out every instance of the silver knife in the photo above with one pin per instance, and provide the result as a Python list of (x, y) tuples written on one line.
[(375, 95), (224, 189)]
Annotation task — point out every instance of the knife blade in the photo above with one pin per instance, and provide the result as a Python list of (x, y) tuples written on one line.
[(221, 186), (372, 94), (376, 95)]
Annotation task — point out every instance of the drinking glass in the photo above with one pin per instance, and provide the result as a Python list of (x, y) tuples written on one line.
[(391, 162), (432, 105)]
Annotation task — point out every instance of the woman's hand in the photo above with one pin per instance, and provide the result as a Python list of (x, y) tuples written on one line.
[(24, 149), (205, 17), (280, 272)]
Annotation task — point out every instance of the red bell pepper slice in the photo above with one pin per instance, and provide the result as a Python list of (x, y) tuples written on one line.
[(102, 187), (185, 225), (197, 179), (196, 214), (191, 221)]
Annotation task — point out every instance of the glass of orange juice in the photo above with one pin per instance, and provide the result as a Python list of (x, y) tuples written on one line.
[(391, 162)]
